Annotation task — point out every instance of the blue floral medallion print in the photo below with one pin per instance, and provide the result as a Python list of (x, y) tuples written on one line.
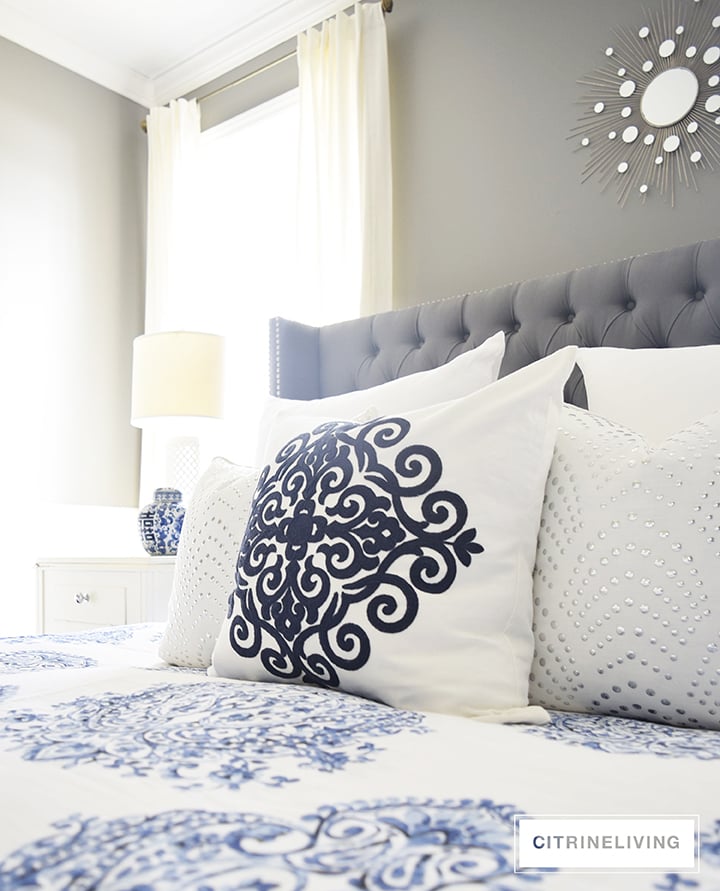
[(628, 736), (402, 845), (116, 635), (17, 661), (209, 733), (338, 522), (709, 844), (7, 691)]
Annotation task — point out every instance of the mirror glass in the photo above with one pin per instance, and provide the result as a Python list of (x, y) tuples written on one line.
[(669, 97)]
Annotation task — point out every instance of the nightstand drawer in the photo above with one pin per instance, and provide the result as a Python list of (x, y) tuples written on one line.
[(77, 595), (80, 601)]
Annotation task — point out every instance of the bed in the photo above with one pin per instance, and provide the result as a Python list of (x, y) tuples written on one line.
[(524, 537)]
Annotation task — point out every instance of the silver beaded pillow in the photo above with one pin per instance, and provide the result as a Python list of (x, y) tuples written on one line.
[(213, 529), (627, 578)]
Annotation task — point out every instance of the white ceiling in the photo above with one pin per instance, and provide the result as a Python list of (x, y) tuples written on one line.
[(155, 50)]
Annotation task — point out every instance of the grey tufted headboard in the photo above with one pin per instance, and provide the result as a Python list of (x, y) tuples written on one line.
[(666, 299)]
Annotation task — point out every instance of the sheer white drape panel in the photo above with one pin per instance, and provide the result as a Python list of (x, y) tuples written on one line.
[(173, 298), (345, 168), (171, 277)]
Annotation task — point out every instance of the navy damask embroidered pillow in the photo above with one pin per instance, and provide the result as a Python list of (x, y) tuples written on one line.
[(335, 530), (393, 558)]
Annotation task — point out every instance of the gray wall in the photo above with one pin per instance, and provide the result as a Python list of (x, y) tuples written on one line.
[(72, 230), (248, 92), (487, 185)]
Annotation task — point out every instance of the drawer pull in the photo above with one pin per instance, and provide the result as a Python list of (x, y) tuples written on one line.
[(82, 598)]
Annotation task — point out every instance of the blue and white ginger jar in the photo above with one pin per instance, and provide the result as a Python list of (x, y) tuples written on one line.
[(161, 523)]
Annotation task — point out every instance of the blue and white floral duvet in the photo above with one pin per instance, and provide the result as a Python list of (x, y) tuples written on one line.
[(117, 772)]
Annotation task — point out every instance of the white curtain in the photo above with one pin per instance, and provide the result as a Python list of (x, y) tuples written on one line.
[(173, 297), (345, 175), (172, 245)]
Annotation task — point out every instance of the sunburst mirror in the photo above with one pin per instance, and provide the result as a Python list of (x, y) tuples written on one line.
[(651, 113)]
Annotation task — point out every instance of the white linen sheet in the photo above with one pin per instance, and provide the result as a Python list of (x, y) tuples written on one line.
[(118, 772)]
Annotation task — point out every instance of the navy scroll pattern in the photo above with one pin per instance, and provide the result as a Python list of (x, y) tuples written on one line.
[(349, 527)]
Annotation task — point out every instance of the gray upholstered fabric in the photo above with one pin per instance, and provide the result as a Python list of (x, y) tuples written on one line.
[(664, 299)]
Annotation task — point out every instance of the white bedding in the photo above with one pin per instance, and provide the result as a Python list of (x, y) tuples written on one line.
[(118, 772)]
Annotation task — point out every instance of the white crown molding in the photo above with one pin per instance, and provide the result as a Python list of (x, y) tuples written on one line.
[(27, 33), (285, 20)]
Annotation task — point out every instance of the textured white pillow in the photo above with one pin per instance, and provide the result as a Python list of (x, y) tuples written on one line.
[(205, 566), (462, 375), (652, 391), (627, 581), (393, 558)]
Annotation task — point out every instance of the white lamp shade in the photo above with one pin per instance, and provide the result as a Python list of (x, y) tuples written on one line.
[(177, 374)]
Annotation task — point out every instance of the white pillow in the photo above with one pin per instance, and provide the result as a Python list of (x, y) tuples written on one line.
[(205, 565), (462, 375), (393, 558), (653, 391), (627, 582)]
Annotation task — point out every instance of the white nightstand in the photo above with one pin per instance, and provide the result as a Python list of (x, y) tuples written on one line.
[(76, 594)]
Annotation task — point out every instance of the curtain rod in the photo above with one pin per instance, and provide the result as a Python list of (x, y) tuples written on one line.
[(387, 6), (248, 76)]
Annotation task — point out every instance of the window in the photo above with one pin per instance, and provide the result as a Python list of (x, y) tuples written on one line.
[(249, 253)]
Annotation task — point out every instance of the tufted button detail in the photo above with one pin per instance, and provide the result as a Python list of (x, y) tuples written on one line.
[(516, 327), (630, 304), (700, 295), (571, 317)]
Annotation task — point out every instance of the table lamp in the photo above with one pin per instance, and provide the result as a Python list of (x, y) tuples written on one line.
[(177, 378)]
